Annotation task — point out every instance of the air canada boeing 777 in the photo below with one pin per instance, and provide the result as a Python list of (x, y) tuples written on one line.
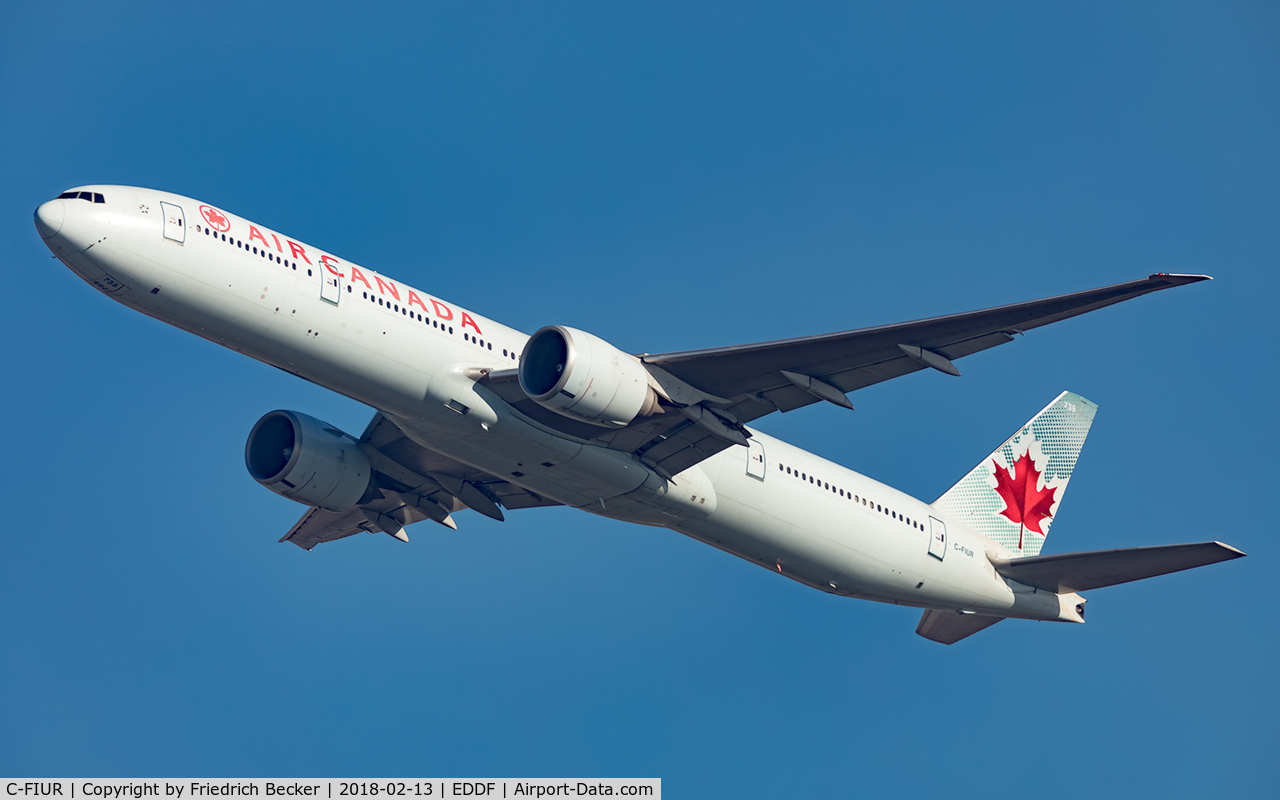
[(473, 414)]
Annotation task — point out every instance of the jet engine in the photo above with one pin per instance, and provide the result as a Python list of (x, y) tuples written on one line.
[(307, 460), (583, 377)]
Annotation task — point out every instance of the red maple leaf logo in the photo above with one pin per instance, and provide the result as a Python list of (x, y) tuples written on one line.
[(1024, 503), (215, 218)]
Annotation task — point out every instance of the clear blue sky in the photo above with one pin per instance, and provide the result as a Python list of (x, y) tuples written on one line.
[(667, 176)]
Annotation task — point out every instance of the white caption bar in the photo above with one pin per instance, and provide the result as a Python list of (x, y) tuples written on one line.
[(327, 788)]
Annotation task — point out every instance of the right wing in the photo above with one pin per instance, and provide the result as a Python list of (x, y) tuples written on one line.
[(413, 484)]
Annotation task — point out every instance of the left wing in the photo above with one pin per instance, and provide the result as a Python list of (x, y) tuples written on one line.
[(413, 484), (746, 382), (852, 360)]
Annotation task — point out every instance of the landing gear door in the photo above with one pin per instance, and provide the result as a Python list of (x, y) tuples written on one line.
[(937, 538), (755, 459), (330, 281), (175, 227)]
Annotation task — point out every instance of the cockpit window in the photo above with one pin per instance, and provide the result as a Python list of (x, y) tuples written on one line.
[(92, 197)]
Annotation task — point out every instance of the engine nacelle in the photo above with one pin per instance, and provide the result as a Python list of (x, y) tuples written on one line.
[(585, 378), (307, 460)]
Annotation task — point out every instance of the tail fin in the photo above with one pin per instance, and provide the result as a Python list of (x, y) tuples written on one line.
[(1014, 494)]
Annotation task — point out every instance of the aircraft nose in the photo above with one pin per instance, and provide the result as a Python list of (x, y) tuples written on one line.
[(49, 218)]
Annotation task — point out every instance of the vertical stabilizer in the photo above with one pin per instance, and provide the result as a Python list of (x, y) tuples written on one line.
[(1013, 496)]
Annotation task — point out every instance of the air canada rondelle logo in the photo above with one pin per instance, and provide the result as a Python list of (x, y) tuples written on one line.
[(216, 219)]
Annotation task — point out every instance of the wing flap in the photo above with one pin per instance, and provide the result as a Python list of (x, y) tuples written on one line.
[(318, 526), (1079, 572), (478, 485)]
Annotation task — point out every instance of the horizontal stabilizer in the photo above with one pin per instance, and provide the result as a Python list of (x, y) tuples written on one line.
[(1078, 572), (950, 627)]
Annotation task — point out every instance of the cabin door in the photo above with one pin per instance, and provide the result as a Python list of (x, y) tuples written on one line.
[(330, 282), (175, 227), (755, 459), (937, 538)]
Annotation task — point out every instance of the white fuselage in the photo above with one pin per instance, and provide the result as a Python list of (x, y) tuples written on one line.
[(407, 353)]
